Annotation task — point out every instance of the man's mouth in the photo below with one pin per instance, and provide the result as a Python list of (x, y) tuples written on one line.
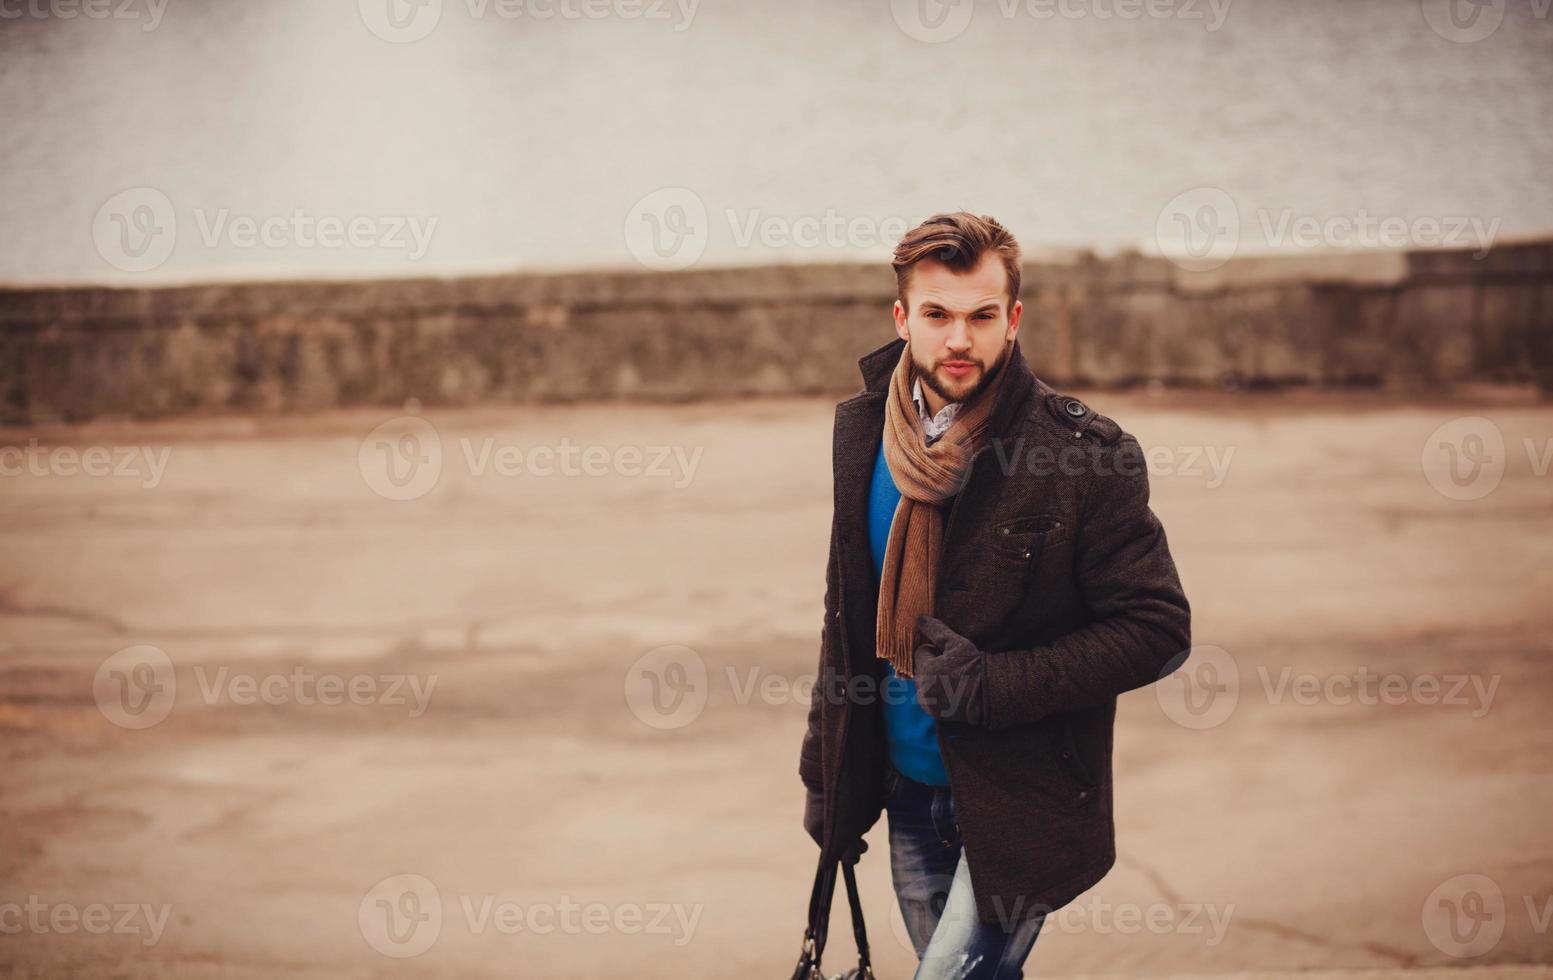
[(958, 369)]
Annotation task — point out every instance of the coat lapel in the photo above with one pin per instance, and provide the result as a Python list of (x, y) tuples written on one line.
[(859, 429)]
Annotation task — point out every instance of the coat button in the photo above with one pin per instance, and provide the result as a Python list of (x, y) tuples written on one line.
[(1027, 556), (1066, 754), (1074, 407), (1083, 794)]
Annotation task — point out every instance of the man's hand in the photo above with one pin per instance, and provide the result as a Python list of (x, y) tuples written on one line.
[(814, 816), (814, 825), (951, 675)]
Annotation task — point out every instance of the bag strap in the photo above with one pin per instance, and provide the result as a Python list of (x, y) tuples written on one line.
[(817, 932), (865, 967), (819, 907)]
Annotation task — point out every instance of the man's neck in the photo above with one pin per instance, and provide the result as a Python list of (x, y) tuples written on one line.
[(933, 400)]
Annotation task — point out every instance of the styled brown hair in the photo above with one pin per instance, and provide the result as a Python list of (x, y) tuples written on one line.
[(958, 240)]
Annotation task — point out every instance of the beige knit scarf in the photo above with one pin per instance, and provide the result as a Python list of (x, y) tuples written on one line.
[(926, 476)]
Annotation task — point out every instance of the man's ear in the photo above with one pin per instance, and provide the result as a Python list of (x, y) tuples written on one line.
[(1013, 319), (900, 322)]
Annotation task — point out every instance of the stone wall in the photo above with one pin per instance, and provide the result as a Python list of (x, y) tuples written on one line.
[(1392, 319)]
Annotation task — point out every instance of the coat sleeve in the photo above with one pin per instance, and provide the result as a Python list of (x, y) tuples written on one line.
[(810, 769), (1141, 624)]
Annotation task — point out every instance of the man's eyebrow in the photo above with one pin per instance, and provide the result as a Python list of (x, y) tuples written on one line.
[(991, 306)]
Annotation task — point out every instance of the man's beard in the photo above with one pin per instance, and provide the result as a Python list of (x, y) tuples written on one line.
[(984, 376)]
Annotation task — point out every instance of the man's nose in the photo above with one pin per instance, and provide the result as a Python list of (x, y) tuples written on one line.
[(959, 337)]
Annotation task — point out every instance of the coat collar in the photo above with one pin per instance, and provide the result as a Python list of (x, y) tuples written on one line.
[(877, 365)]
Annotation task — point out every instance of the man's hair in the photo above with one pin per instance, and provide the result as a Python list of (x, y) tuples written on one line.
[(958, 240)]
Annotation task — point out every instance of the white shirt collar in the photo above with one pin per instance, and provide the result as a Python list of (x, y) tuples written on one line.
[(936, 426)]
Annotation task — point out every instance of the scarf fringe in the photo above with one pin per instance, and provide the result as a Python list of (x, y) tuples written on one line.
[(899, 647)]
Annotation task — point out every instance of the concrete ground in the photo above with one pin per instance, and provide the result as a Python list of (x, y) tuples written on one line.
[(572, 704)]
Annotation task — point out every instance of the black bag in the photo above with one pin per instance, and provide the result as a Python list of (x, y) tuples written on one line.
[(819, 922)]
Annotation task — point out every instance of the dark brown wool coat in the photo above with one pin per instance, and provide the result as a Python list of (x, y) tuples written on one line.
[(1054, 565)]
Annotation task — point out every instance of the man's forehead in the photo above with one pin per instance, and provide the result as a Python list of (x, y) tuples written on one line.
[(934, 282)]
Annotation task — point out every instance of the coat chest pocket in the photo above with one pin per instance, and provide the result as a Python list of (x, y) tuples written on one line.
[(1023, 539), (1001, 571)]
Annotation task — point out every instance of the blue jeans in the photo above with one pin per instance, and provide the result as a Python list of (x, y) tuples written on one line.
[(933, 885)]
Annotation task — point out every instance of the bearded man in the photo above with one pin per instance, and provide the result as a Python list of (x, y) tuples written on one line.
[(996, 579)]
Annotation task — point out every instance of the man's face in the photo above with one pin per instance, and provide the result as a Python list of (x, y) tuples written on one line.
[(957, 325)]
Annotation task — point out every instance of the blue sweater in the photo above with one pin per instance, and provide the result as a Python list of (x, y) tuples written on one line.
[(912, 732)]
